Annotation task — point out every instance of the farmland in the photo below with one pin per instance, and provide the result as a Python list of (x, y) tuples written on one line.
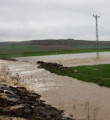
[(49, 47), (46, 52)]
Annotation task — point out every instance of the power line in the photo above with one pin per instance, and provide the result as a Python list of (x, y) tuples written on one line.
[(97, 35)]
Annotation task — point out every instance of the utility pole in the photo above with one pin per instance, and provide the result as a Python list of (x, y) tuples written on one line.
[(97, 36)]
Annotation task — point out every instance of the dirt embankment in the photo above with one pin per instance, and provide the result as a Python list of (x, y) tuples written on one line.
[(17, 101), (54, 66)]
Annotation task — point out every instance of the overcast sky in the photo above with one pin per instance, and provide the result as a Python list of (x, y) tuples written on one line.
[(47, 19)]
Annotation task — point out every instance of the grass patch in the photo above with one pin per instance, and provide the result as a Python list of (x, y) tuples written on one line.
[(99, 74)]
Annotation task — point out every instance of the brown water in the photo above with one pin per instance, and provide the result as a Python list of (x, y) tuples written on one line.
[(83, 101)]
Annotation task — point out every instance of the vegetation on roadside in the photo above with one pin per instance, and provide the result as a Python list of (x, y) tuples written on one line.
[(99, 74)]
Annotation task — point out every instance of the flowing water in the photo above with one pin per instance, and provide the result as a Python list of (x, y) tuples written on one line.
[(81, 100)]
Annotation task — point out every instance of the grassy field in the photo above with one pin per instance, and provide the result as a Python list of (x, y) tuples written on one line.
[(99, 74), (24, 53), (17, 48), (23, 50)]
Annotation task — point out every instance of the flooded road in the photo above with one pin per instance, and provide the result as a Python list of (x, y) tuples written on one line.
[(81, 100)]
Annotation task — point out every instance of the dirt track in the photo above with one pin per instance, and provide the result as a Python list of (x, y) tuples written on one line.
[(80, 99)]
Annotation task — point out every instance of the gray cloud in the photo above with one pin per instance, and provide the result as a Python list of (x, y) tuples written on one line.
[(44, 19)]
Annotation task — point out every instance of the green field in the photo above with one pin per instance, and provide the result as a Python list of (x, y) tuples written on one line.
[(91, 46), (18, 48), (50, 47), (33, 52), (99, 74)]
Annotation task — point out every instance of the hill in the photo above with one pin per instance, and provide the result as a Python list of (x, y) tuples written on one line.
[(52, 44)]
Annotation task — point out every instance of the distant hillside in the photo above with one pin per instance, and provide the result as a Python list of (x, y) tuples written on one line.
[(52, 44)]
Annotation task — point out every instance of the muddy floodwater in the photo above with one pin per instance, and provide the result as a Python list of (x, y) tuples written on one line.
[(72, 59), (81, 100)]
